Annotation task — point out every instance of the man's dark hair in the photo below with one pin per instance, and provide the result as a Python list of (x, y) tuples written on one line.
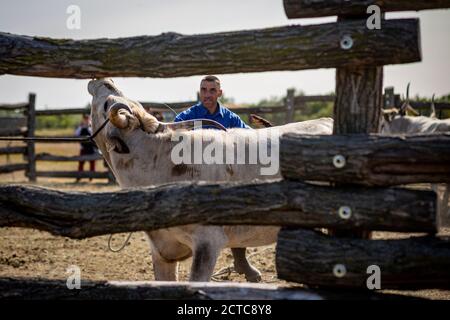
[(211, 79)]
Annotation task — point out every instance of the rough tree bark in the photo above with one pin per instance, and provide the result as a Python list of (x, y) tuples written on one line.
[(315, 259), (42, 289), (81, 215), (176, 55), (370, 160), (322, 8)]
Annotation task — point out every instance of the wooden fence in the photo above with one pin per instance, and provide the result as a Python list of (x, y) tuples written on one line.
[(26, 126), (23, 125), (348, 182)]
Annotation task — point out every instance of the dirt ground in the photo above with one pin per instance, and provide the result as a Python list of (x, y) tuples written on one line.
[(31, 253)]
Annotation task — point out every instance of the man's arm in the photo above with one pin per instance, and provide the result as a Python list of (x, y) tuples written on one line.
[(236, 122), (185, 115)]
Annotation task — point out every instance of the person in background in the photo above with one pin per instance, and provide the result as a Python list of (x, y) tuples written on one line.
[(86, 148)]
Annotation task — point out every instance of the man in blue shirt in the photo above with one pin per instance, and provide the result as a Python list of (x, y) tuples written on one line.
[(210, 108)]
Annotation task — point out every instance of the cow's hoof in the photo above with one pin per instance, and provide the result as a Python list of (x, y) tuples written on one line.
[(254, 276)]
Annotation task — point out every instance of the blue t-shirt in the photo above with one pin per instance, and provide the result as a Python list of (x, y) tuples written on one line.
[(224, 116)]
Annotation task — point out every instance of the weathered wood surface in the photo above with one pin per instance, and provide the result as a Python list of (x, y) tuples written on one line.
[(8, 168), (51, 157), (359, 95), (12, 122), (323, 98), (357, 107), (12, 132), (179, 106), (58, 112), (309, 257), (13, 106), (260, 110), (290, 105), (73, 174), (371, 160), (280, 48), (427, 105), (43, 289), (322, 8), (81, 215), (13, 150), (31, 152)]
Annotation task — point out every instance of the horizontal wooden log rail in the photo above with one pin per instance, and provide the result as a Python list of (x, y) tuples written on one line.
[(51, 157), (73, 174), (180, 106), (81, 215), (315, 259), (43, 289), (11, 132), (174, 105), (13, 123), (427, 105), (260, 110), (14, 106), (371, 160), (8, 168), (322, 8), (58, 112), (281, 48), (13, 150), (325, 98)]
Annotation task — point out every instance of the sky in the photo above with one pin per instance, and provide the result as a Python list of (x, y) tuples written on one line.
[(113, 19)]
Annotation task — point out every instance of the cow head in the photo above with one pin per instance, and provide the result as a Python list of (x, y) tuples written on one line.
[(125, 117), (108, 103)]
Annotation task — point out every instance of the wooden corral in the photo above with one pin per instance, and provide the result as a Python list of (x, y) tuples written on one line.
[(348, 182)]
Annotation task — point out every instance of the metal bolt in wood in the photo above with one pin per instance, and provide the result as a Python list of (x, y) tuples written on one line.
[(346, 42), (339, 161), (345, 212), (339, 270)]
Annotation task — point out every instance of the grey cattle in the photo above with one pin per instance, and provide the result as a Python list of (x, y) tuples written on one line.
[(139, 150), (396, 122)]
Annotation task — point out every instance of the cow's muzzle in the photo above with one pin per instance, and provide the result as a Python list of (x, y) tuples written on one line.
[(115, 142)]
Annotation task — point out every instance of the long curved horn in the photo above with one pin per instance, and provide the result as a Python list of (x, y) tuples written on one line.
[(433, 108), (405, 104), (119, 114), (412, 110), (148, 122)]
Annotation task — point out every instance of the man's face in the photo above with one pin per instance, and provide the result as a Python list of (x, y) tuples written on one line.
[(209, 93)]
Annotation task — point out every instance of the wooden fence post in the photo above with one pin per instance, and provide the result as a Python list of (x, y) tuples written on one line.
[(358, 103), (289, 103), (31, 125)]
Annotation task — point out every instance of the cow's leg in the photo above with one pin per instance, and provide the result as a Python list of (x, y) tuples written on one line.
[(242, 266), (207, 244), (164, 270)]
